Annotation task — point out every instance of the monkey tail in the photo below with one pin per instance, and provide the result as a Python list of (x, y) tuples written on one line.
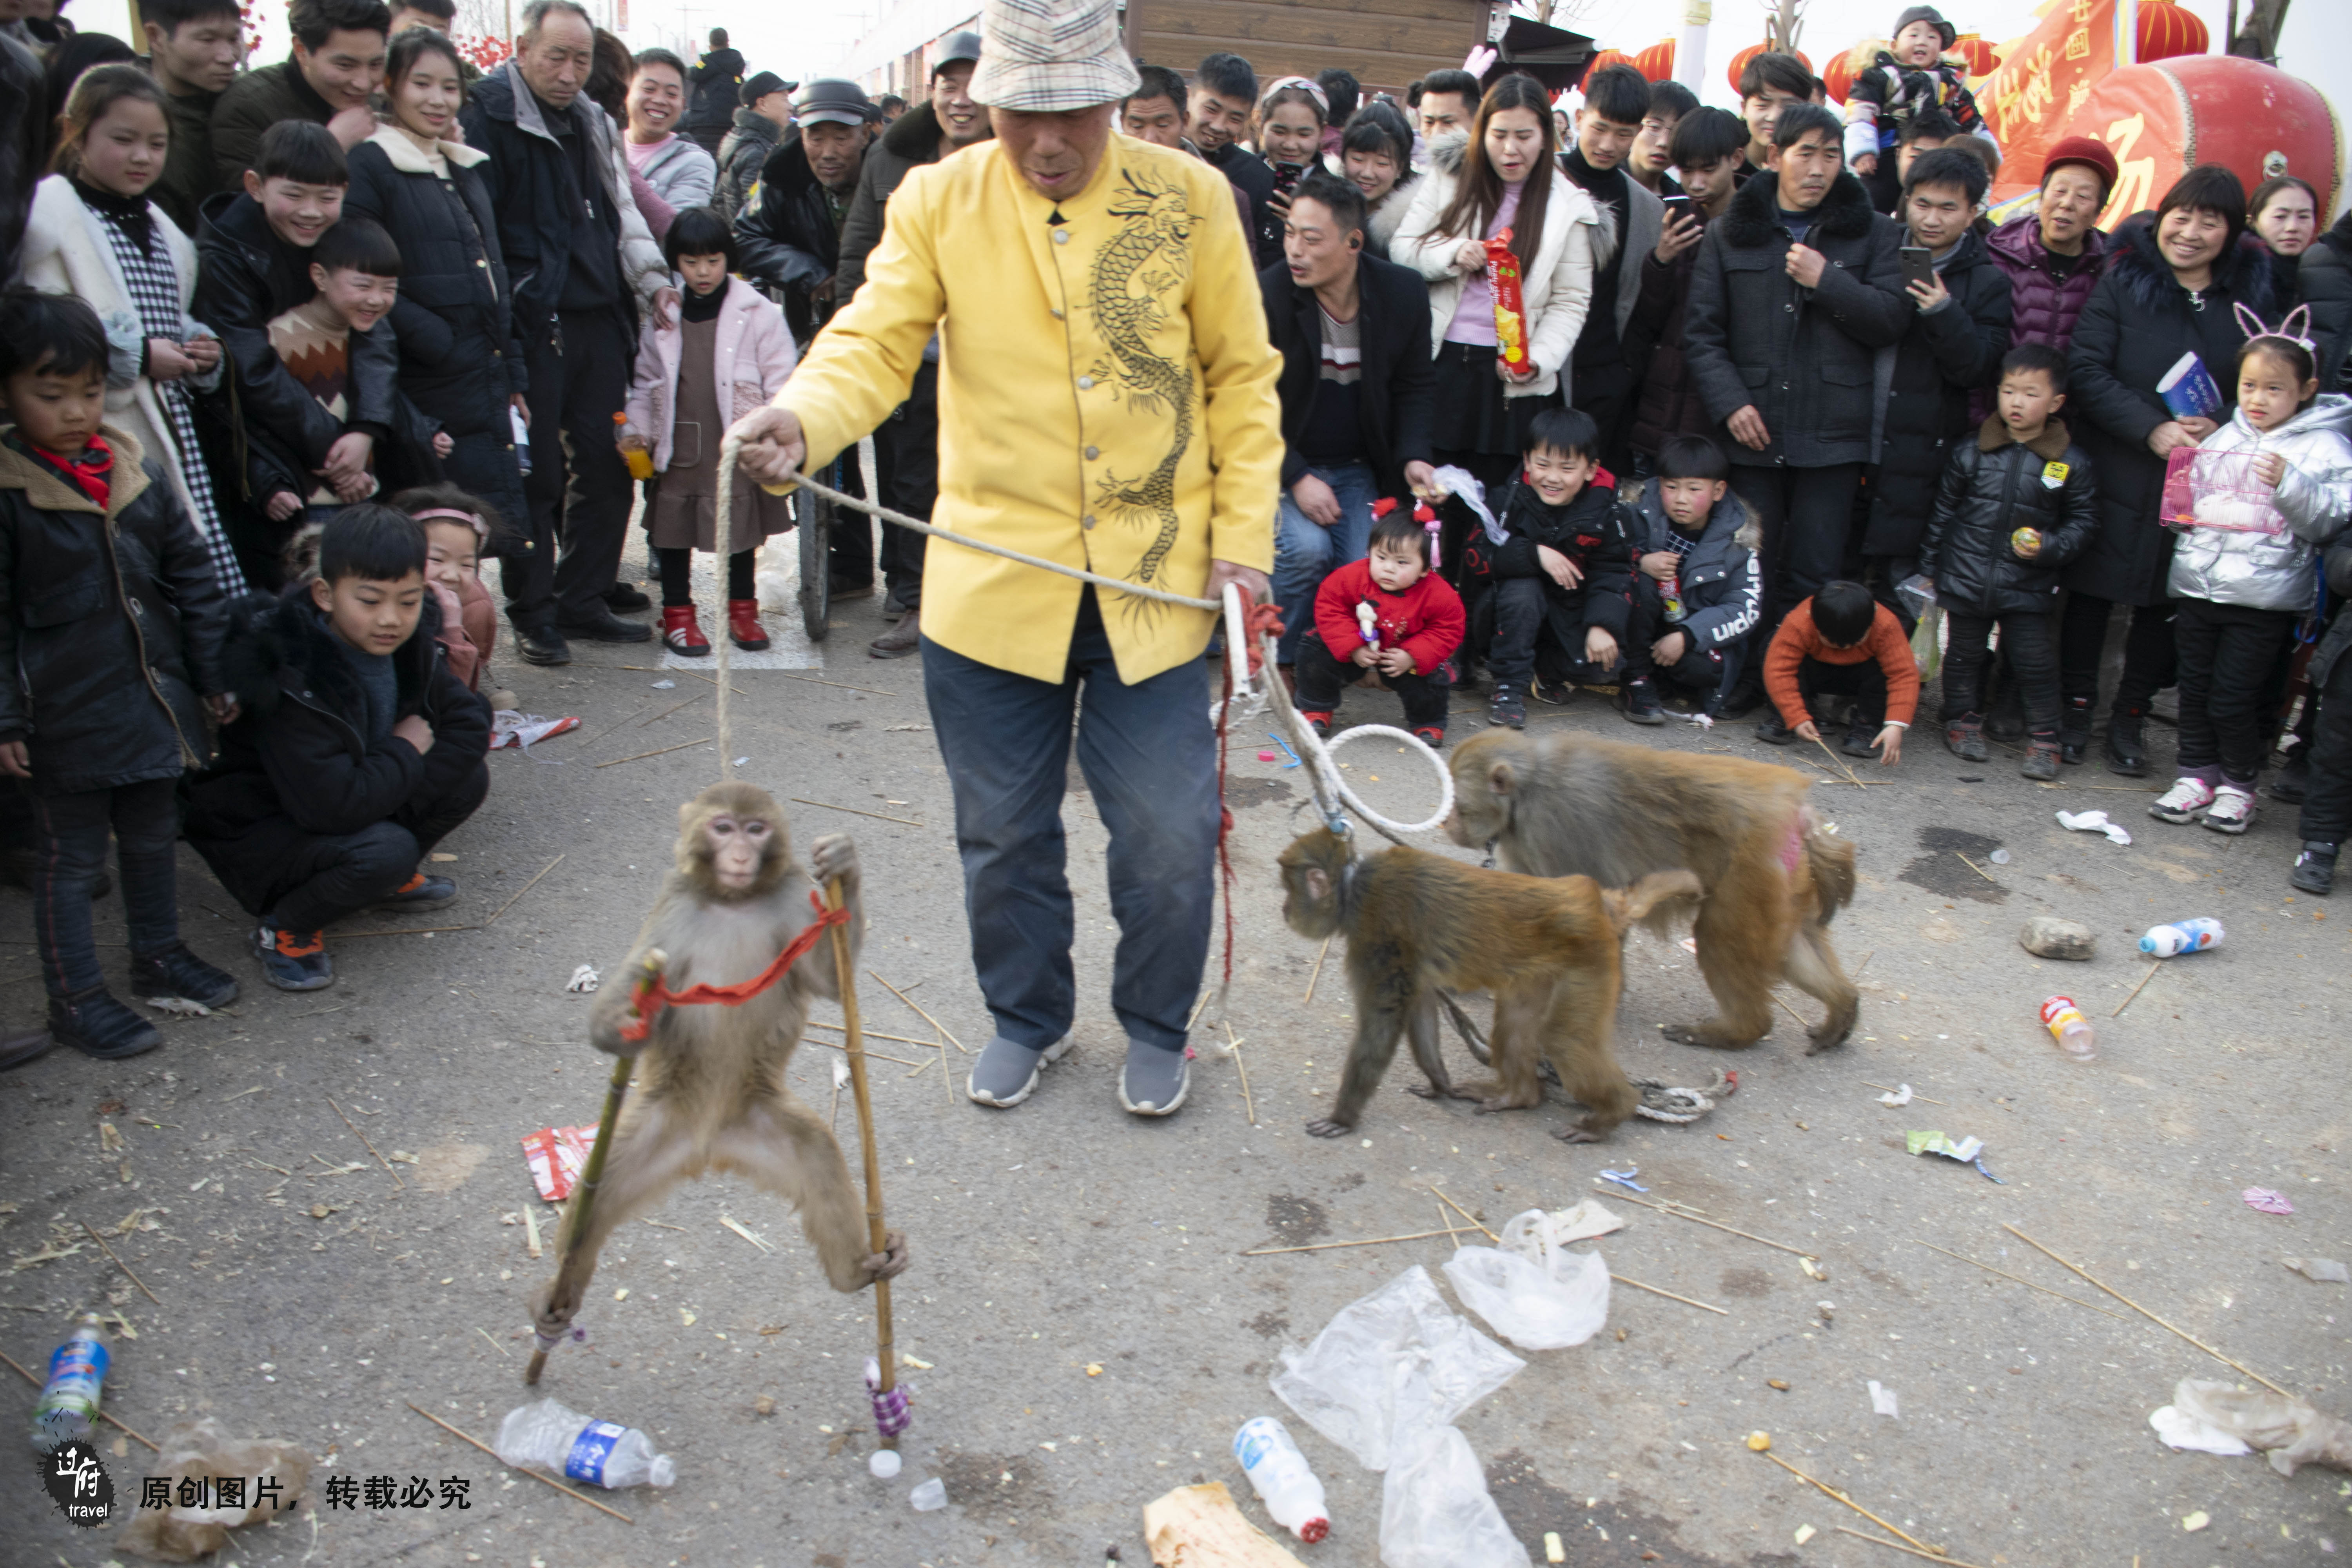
[(1830, 860), (1628, 907)]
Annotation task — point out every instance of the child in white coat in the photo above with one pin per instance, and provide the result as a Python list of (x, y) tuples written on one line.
[(729, 354)]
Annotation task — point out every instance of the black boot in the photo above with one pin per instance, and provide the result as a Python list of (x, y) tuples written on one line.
[(2074, 729), (2128, 743), (96, 1025), (2314, 868)]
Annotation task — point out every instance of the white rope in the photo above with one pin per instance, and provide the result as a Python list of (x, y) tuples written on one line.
[(1253, 695)]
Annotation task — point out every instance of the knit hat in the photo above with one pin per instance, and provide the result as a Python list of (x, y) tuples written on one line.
[(1042, 56), (1944, 30), (2088, 151)]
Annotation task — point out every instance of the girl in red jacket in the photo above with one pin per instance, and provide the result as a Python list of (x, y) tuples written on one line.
[(1390, 619)]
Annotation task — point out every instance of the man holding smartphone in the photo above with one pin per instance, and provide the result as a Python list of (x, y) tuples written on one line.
[(1953, 347)]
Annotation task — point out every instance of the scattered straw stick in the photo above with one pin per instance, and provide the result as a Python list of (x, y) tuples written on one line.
[(124, 1266), (1790, 1011), (875, 1056), (2027, 1283), (494, 1344), (877, 816), (1198, 1008), (838, 685), (405, 930), (926, 1017), (665, 751), (534, 1475), (1907, 1550), (1367, 1241), (1320, 955), (530, 1229), (2143, 1312), (1974, 866), (371, 1148), (102, 1414), (2153, 966), (668, 711), (1236, 1047), (1669, 1295), (619, 724), (947, 1078), (1684, 1214), (737, 1226), (869, 1034), (526, 888), (1465, 1214), (1892, 1089), (1447, 1221), (1827, 1490)]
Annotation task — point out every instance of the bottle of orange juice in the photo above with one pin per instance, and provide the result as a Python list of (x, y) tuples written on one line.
[(639, 458)]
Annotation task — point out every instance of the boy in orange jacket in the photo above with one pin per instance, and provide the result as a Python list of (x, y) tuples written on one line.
[(1843, 642)]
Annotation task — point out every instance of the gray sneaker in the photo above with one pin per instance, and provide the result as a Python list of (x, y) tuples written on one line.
[(1007, 1071), (1155, 1081)]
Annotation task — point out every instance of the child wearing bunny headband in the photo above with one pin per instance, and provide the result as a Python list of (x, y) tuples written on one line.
[(457, 530)]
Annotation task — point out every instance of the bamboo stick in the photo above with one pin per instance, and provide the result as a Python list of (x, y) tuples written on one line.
[(102, 1414), (120, 1264), (1907, 1551), (877, 816), (1328, 1245), (534, 1475), (1925, 1549), (1465, 1214), (2136, 990), (926, 1017), (592, 1175), (1680, 1214), (371, 1148), (1669, 1295), (1236, 1047), (2027, 1283), (846, 980), (1320, 954), (2143, 1312), (665, 751)]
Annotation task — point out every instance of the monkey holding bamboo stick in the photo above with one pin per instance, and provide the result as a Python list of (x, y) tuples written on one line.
[(710, 1092), (1549, 948)]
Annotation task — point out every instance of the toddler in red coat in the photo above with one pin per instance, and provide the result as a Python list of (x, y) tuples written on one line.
[(1388, 621)]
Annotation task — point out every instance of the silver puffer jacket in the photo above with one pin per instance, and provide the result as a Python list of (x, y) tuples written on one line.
[(2272, 571)]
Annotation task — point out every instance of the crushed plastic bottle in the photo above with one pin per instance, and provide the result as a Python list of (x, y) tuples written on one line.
[(2070, 1028), (67, 1410), (583, 1448), (1281, 1478), (932, 1494), (2182, 936)]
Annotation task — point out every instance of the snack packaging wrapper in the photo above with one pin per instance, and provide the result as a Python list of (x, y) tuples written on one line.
[(556, 1154), (1510, 301)]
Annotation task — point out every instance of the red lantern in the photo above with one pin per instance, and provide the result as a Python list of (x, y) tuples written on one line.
[(1837, 77), (1656, 62), (1739, 61), (2166, 30), (1981, 56), (1604, 61)]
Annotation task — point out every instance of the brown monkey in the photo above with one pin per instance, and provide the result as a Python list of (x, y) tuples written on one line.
[(1549, 949), (1561, 805), (710, 1090)]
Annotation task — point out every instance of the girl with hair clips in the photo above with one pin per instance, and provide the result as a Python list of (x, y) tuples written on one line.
[(94, 234), (1288, 127)]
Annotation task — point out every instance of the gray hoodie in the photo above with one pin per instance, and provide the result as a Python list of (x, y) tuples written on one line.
[(2269, 571)]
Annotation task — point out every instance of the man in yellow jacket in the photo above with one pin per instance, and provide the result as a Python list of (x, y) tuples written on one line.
[(1106, 399)]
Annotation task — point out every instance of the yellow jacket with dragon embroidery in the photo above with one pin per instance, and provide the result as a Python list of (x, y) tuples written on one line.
[(1106, 395)]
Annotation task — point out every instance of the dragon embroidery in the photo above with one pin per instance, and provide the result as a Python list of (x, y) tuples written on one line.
[(1144, 262)]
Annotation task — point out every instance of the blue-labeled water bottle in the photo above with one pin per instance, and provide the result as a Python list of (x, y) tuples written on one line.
[(69, 1407), (602, 1453), (2182, 936), (1281, 1479)]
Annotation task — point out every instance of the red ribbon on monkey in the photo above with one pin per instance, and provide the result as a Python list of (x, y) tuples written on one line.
[(656, 996)]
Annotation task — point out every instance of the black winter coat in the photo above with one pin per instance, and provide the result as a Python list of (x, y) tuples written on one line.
[(1992, 488), (1804, 357), (1254, 177), (2324, 282), (1667, 403), (107, 631), (742, 152), (1594, 529), (24, 138), (1398, 376), (786, 239), (459, 356), (2137, 324), (1944, 357), (298, 763), (713, 89), (2339, 635)]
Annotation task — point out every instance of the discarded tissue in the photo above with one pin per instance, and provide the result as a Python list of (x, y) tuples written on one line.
[(584, 978), (1532, 1290), (1901, 1095), (2320, 1270), (2092, 822), (2291, 1431)]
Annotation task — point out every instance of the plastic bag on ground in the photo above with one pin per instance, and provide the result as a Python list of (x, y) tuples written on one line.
[(202, 1451), (1434, 1511), (2291, 1431), (1531, 1291), (1396, 1359)]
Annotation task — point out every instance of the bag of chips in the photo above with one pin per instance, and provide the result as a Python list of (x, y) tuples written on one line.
[(1510, 301)]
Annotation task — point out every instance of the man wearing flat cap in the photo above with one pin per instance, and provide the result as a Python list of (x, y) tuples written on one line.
[(1107, 400)]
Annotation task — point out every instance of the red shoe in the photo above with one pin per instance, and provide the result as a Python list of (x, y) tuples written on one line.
[(743, 625), (682, 632), (1318, 720)]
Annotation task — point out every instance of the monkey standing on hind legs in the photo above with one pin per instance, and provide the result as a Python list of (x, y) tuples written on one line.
[(1550, 950), (1561, 805), (711, 1092)]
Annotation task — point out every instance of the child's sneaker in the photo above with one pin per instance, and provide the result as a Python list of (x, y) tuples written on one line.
[(1430, 735), (2040, 759), (294, 960), (1506, 709), (2183, 801), (2232, 810), (1774, 730), (96, 1025), (420, 892), (1860, 732), (1318, 720), (2314, 868), (1640, 700), (1963, 738), (180, 975)]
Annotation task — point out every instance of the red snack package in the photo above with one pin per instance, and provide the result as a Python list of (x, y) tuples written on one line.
[(556, 1155), (1510, 302)]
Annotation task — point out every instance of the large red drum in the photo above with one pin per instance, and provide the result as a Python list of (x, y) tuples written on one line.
[(2163, 120)]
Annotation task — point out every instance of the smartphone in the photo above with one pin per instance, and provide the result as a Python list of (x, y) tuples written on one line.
[(1918, 265)]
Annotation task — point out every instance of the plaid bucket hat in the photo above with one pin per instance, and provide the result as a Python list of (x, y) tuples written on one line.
[(1042, 56)]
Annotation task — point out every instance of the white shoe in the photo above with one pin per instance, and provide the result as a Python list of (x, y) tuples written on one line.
[(2232, 810), (2183, 801)]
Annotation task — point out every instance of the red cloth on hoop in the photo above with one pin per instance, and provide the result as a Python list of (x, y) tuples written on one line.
[(658, 995)]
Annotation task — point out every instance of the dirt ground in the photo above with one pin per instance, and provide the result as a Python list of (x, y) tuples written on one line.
[(1089, 1332)]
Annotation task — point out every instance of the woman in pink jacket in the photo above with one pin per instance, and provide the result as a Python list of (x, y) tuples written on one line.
[(727, 354)]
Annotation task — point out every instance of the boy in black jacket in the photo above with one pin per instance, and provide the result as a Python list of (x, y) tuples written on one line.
[(110, 625), (1698, 587), (2014, 507), (359, 752), (1558, 582)]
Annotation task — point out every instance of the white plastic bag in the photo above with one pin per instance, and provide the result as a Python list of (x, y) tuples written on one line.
[(2291, 1432), (1434, 1511), (1396, 1359), (1531, 1291)]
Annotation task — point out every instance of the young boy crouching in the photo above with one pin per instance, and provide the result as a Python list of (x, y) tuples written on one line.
[(358, 752), (1387, 618), (1699, 590)]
